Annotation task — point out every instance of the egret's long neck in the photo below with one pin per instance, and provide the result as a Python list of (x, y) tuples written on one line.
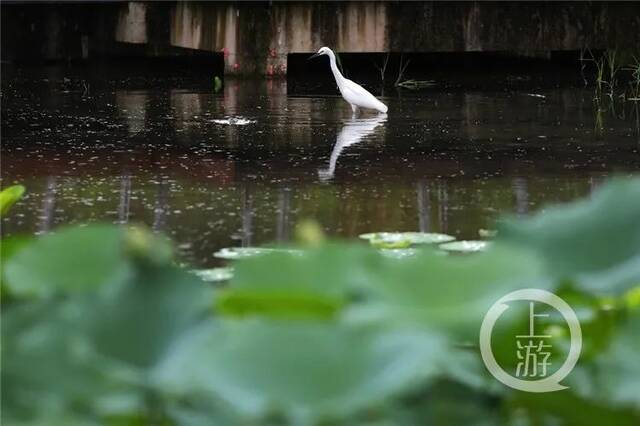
[(334, 69)]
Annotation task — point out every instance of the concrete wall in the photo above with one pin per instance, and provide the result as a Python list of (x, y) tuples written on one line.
[(255, 37)]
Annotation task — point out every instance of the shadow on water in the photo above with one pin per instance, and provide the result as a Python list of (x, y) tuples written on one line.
[(242, 166)]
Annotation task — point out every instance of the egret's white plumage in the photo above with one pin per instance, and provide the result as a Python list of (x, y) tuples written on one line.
[(352, 92)]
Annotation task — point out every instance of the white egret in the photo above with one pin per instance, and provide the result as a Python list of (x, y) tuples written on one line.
[(352, 132), (356, 95)]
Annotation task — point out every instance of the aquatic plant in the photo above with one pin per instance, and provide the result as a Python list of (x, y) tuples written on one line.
[(634, 67), (217, 84), (613, 66), (9, 196), (99, 326), (402, 67), (600, 64), (583, 66), (608, 66), (383, 67)]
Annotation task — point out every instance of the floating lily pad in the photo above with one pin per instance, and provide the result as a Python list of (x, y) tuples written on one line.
[(232, 253), (388, 238), (487, 233), (214, 275), (382, 244), (469, 246), (400, 253)]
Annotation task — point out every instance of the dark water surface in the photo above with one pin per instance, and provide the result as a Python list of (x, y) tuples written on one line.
[(152, 149)]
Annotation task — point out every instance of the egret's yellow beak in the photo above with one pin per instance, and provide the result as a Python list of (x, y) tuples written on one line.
[(313, 56)]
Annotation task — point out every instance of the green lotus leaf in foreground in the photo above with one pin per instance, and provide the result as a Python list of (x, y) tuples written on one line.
[(70, 260), (285, 285), (595, 242), (9, 196), (303, 371), (617, 376), (448, 293), (465, 246), (287, 304), (336, 334)]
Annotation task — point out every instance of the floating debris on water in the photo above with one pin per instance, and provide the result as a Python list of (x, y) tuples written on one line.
[(234, 121)]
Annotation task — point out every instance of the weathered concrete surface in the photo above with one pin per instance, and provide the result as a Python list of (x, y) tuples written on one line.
[(132, 23), (256, 37)]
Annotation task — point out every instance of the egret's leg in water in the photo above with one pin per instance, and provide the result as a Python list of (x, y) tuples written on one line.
[(354, 109)]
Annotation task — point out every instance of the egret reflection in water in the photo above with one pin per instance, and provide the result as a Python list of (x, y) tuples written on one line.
[(352, 132)]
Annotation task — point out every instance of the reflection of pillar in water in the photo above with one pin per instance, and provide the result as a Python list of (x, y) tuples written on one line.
[(595, 182), (133, 107), (284, 203), (424, 205), (443, 206), (185, 107), (48, 206), (247, 218), (160, 207), (230, 97), (521, 192), (125, 197), (637, 111)]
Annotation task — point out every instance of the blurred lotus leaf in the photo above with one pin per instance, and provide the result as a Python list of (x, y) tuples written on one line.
[(595, 241), (306, 371), (69, 260), (9, 196), (449, 292), (101, 327)]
